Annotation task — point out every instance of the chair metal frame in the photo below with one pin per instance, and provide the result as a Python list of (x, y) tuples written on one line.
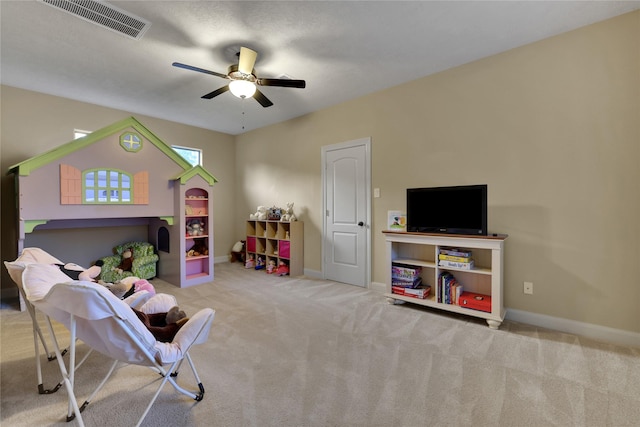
[(34, 256), (112, 314)]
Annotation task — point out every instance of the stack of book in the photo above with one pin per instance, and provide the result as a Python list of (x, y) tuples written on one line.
[(420, 292), (406, 280), (455, 258), (405, 276), (448, 290)]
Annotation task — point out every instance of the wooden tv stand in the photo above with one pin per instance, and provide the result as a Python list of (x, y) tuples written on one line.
[(422, 250)]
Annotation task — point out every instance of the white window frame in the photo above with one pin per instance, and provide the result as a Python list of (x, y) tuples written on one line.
[(78, 133)]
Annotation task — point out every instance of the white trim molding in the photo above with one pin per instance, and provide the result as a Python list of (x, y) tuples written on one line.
[(378, 287), (588, 330), (219, 259), (314, 274)]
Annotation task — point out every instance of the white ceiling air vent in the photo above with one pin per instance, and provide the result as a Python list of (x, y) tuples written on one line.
[(104, 15)]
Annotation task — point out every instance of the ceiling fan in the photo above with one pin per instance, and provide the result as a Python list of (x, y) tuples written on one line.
[(243, 79)]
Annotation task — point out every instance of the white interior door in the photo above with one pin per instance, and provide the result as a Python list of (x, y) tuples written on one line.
[(347, 201)]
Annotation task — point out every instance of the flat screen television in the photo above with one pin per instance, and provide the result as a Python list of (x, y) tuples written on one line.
[(452, 210)]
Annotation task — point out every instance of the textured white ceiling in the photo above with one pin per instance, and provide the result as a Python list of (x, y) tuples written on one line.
[(343, 49)]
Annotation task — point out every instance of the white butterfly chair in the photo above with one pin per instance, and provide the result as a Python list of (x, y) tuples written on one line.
[(105, 323), (53, 276)]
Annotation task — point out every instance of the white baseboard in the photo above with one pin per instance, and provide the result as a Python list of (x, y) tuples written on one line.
[(314, 274), (219, 259), (589, 330), (378, 287)]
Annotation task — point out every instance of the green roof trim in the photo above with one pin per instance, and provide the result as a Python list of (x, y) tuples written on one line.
[(168, 219), (185, 176), (31, 224), (25, 167)]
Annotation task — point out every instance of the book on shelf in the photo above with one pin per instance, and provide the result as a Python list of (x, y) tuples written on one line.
[(404, 284), (455, 252), (455, 258), (455, 264), (421, 292), (403, 273), (448, 290)]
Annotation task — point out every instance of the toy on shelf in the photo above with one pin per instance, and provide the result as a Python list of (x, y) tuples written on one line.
[(260, 263), (250, 263), (261, 213), (199, 248), (283, 269), (274, 213), (271, 267), (288, 214), (195, 227)]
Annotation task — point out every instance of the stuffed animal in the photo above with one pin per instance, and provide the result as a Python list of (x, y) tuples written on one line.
[(288, 214), (127, 261), (144, 285), (195, 227), (199, 248), (271, 267), (91, 273), (130, 285), (283, 269), (76, 272), (163, 326), (70, 269), (261, 213), (237, 252)]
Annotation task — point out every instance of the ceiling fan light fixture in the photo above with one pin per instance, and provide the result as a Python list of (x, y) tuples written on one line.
[(242, 88)]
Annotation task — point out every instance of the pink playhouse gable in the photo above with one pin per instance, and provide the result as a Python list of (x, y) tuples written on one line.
[(118, 174)]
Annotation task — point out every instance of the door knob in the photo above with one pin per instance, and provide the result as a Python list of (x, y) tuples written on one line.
[(360, 224)]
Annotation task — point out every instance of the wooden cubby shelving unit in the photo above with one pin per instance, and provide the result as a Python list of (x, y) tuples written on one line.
[(277, 240)]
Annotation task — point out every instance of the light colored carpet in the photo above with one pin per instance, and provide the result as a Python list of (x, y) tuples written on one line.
[(301, 352)]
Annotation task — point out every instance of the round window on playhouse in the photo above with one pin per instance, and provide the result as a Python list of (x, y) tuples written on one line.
[(131, 142)]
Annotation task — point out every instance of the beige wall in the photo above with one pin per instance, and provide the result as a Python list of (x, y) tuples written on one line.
[(33, 123), (553, 128)]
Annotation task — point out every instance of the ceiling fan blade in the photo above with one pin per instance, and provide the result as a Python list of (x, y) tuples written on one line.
[(247, 60), (216, 92), (301, 84), (263, 100), (200, 70)]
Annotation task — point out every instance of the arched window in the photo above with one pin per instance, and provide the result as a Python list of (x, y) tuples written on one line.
[(103, 186)]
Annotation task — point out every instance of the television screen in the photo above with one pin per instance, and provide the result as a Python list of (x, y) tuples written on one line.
[(453, 210)]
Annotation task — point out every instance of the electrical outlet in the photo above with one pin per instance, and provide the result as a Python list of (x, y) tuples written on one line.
[(376, 192), (528, 288)]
